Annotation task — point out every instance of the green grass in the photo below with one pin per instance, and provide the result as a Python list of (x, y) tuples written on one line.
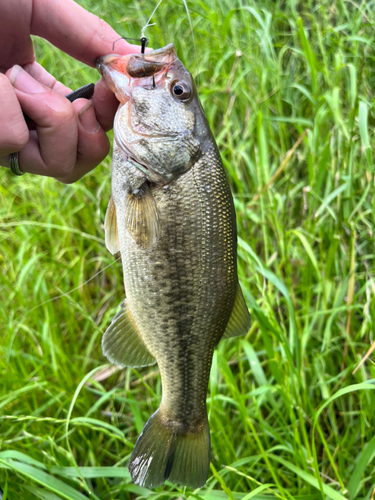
[(288, 417)]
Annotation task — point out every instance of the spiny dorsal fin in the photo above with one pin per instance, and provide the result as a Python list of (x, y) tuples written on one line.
[(110, 227), (141, 216), (122, 344), (239, 321)]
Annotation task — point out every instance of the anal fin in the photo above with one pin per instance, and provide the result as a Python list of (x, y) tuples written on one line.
[(122, 344), (110, 227), (239, 321)]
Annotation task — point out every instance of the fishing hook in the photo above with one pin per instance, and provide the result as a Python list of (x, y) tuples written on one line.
[(144, 42)]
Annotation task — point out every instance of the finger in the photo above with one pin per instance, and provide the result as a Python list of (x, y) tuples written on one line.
[(13, 129), (105, 104), (16, 44), (41, 75), (77, 32), (51, 149), (93, 143)]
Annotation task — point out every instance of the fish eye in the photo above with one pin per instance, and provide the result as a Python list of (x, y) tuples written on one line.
[(181, 90)]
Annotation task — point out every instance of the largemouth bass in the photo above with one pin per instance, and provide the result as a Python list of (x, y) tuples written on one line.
[(171, 216)]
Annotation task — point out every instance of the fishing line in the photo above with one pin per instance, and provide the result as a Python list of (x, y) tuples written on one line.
[(74, 289), (147, 25), (144, 40), (191, 29), (193, 37)]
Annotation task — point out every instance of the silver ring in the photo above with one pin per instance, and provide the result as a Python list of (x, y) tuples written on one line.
[(13, 164)]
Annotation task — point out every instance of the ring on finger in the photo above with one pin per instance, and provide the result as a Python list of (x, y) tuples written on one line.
[(14, 165)]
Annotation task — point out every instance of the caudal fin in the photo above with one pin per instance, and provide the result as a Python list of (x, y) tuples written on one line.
[(163, 453)]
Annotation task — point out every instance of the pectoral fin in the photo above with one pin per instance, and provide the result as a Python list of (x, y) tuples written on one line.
[(110, 227), (141, 216), (239, 321), (122, 344)]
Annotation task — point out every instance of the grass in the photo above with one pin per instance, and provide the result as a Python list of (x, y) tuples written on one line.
[(289, 419)]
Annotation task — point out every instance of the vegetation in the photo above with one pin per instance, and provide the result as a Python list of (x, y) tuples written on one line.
[(289, 417)]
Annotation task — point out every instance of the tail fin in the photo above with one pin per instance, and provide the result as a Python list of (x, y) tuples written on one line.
[(163, 453)]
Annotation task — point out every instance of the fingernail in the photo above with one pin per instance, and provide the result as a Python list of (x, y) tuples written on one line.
[(88, 119), (24, 82)]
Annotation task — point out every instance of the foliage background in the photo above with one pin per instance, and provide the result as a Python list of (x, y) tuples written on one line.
[(288, 417)]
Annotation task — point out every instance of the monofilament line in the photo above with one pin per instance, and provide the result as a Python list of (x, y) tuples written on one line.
[(147, 25), (195, 47)]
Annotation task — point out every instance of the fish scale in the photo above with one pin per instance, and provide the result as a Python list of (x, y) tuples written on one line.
[(172, 218)]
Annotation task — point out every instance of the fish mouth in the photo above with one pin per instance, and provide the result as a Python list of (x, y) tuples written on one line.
[(122, 73), (135, 66), (158, 57)]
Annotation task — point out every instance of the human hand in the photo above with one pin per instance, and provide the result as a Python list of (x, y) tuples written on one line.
[(69, 139)]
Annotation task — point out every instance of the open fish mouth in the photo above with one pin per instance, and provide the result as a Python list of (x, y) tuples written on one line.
[(139, 65), (121, 73)]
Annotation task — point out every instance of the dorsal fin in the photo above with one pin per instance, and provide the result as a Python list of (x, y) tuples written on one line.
[(110, 227), (122, 344), (239, 321)]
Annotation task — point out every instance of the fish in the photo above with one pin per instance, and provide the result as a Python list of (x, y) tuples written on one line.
[(171, 216)]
